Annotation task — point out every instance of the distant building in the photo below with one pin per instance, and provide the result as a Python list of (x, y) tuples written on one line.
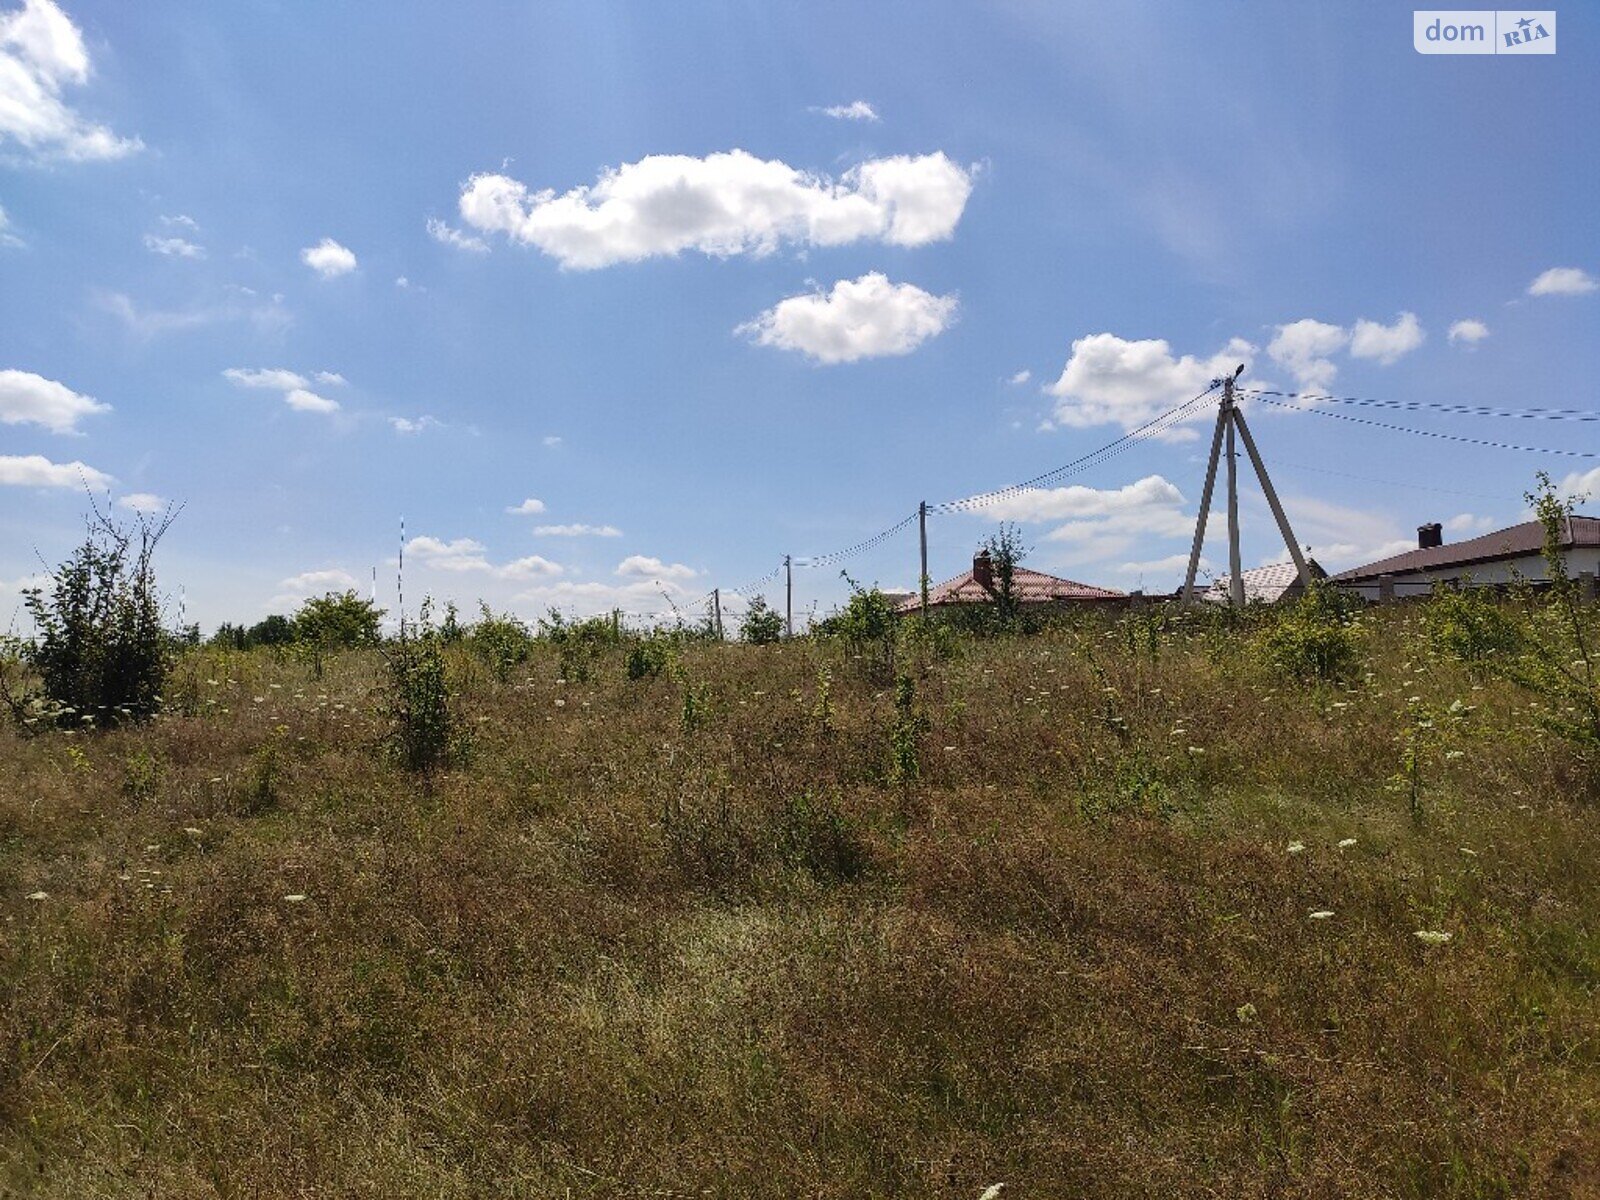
[(980, 586), (1492, 560), (1265, 585)]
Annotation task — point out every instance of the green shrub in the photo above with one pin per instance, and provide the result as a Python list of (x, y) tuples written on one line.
[(100, 652), (651, 656), (425, 733), (866, 627), (1468, 626), (812, 834), (1315, 639), (338, 621), (761, 625), (503, 642)]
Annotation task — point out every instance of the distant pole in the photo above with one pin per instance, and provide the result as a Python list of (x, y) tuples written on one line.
[(922, 529), (616, 622), (788, 596), (1205, 507), (1235, 579), (400, 578), (716, 608)]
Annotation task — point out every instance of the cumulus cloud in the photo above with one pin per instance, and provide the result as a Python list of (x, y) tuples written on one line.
[(642, 566), (331, 377), (7, 238), (1386, 343), (1581, 486), (1022, 377), (1110, 380), (722, 205), (860, 318), (528, 508), (1468, 332), (35, 470), (1467, 523), (449, 235), (329, 259), (1305, 348), (26, 398), (856, 110), (294, 387), (1563, 281), (606, 531), (173, 247), (1096, 524), (551, 440), (463, 555), (420, 424), (142, 502), (41, 55)]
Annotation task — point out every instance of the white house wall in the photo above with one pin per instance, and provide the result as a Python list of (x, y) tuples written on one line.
[(1490, 574)]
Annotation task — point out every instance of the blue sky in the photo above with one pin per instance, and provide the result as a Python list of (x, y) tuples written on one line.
[(310, 268)]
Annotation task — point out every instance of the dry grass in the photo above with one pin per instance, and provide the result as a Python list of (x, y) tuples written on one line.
[(610, 956)]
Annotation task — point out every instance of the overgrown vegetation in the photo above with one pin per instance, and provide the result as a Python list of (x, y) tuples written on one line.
[(1300, 903)]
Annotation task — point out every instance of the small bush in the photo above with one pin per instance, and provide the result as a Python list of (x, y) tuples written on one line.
[(425, 733), (1315, 639), (100, 651), (761, 625), (503, 642), (811, 833), (337, 621), (1468, 626), (651, 656)]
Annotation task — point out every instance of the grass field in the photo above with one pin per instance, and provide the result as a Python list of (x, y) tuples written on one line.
[(1097, 912)]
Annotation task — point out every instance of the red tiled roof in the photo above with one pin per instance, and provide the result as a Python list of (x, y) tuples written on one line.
[(1515, 542), (1031, 587)]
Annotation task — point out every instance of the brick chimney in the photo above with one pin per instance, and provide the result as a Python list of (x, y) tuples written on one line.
[(983, 570), (1429, 536)]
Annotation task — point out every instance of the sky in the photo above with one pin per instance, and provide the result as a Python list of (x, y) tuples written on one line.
[(614, 304)]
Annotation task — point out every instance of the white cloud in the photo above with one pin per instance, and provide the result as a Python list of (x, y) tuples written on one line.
[(467, 555), (1563, 281), (861, 318), (551, 440), (7, 238), (29, 398), (42, 53), (332, 378), (419, 425), (1078, 502), (142, 502), (274, 378), (1109, 380), (329, 259), (295, 388), (1022, 377), (35, 470), (643, 566), (1470, 525), (449, 235), (172, 247), (305, 400), (1386, 343), (1304, 348), (528, 508), (1469, 332), (722, 205), (268, 317), (607, 531), (331, 580), (856, 110), (1581, 486), (181, 221)]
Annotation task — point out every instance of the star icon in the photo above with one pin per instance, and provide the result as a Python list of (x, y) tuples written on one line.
[(1523, 24)]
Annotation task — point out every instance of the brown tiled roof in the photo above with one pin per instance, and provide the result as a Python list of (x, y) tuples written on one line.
[(1515, 542), (1031, 587)]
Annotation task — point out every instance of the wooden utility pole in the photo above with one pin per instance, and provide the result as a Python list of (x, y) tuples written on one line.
[(922, 529), (788, 597), (1230, 419), (716, 610)]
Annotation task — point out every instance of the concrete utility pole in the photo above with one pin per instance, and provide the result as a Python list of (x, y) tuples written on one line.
[(922, 529), (716, 608), (788, 596), (1235, 570), (1230, 419)]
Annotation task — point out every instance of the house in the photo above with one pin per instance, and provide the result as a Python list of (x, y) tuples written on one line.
[(980, 585), (1264, 585), (1492, 560)]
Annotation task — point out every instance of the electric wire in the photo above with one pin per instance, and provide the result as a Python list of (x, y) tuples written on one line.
[(1466, 410), (1428, 433)]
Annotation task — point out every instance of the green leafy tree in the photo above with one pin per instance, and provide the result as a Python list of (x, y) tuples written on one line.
[(100, 649), (338, 620), (1006, 551), (761, 625)]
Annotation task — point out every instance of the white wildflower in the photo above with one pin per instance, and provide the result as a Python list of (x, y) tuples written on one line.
[(1346, 843), (37, 896), (295, 897), (1297, 847), (1320, 914), (1432, 937)]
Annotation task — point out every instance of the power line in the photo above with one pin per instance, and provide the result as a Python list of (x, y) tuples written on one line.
[(838, 556), (1465, 410), (1429, 433), (1111, 449)]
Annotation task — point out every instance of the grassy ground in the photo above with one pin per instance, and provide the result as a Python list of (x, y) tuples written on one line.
[(618, 952)]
